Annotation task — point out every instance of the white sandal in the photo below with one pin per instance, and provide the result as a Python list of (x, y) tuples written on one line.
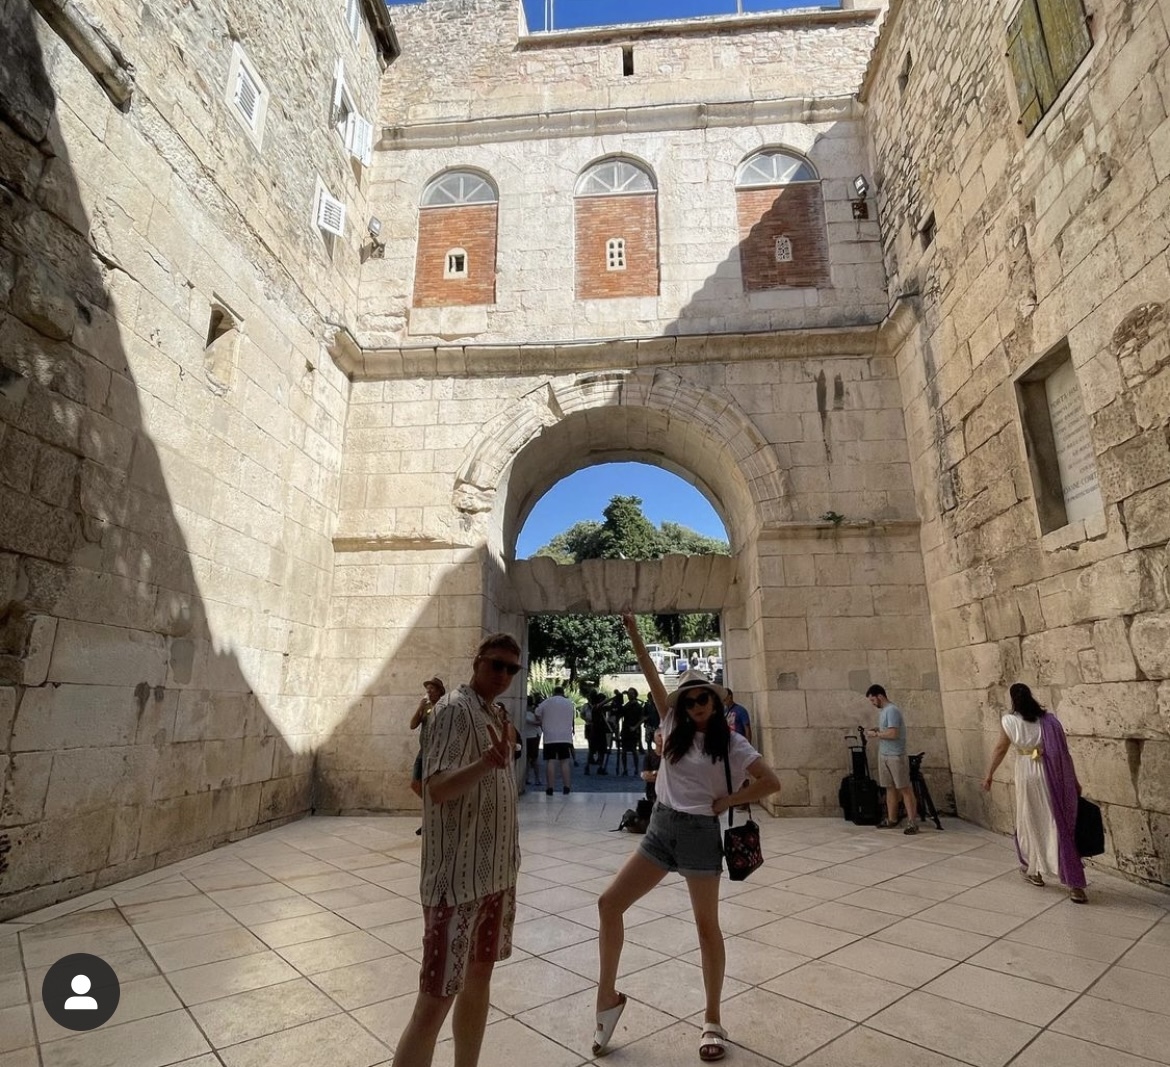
[(713, 1037), (606, 1024)]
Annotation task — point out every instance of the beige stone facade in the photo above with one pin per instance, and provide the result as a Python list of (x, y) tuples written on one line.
[(1055, 237), (253, 492)]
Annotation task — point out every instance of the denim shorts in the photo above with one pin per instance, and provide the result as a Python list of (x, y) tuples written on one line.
[(688, 844)]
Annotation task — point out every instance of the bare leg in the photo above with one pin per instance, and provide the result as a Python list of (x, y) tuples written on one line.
[(704, 890), (891, 805), (911, 803), (549, 773), (471, 1011), (636, 878), (416, 1046), (566, 773)]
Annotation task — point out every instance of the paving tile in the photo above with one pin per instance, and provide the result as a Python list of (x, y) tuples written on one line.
[(1050, 1049), (382, 913), (339, 1041), (303, 928), (16, 1028), (532, 982), (198, 984), (156, 931), (341, 950), (258, 1012), (582, 958), (878, 898), (957, 1030), (153, 1042), (938, 940), (570, 1021), (815, 885), (854, 920), (541, 936), (805, 939), (1148, 956), (974, 920), (674, 987), (1105, 1022), (1071, 941), (863, 1047), (194, 951), (837, 990), (776, 1027), (359, 984), (892, 962), (1136, 989), (24, 1057), (749, 961), (675, 935), (1002, 994), (1040, 965)]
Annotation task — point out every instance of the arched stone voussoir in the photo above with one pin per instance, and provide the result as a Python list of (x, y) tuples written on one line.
[(567, 423)]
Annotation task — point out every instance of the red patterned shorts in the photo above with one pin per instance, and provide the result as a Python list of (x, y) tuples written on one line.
[(478, 931)]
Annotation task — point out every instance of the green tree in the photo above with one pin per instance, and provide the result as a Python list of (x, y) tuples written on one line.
[(591, 645)]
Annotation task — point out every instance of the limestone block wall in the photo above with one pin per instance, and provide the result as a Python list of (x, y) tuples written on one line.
[(468, 58), (440, 473), (170, 435), (700, 287), (1057, 236)]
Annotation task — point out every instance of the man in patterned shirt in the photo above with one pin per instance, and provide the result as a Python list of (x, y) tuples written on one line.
[(470, 857)]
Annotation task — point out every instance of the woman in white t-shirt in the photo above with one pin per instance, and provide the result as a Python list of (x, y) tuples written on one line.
[(684, 835)]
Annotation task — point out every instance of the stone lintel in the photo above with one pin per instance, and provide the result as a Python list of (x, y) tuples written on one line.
[(472, 361), (92, 43), (652, 118)]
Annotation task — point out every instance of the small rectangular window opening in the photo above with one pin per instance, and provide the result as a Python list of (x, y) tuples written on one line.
[(455, 265), (615, 253), (220, 322), (904, 77), (627, 60), (926, 231)]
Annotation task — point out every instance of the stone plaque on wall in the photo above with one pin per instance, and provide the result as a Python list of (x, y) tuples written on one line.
[(1074, 446)]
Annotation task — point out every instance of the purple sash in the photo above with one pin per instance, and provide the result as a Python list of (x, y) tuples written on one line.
[(1061, 777)]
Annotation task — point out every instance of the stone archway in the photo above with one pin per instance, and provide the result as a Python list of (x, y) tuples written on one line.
[(653, 415)]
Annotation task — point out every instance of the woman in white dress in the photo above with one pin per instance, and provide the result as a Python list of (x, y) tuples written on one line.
[(1046, 793)]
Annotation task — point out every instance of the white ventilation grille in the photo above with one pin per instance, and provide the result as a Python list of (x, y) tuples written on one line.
[(359, 138), (330, 214), (247, 97)]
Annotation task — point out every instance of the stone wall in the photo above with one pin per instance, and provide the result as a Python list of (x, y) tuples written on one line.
[(701, 285), (464, 59), (170, 433), (1058, 236)]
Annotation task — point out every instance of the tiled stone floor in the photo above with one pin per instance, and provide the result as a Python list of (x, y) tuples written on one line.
[(850, 946)]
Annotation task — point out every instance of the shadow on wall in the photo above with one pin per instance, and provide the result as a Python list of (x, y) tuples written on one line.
[(127, 738)]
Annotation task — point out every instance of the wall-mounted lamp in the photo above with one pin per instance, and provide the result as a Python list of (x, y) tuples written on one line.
[(377, 248), (860, 206)]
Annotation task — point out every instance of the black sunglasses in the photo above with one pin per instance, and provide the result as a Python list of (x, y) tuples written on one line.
[(504, 665), (702, 697)]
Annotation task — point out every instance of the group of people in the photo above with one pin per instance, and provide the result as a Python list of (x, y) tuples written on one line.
[(471, 854)]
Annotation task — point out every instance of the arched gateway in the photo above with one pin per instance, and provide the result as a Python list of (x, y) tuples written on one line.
[(813, 609)]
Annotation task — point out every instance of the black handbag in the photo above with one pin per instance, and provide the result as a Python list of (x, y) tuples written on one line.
[(741, 844), (1090, 829)]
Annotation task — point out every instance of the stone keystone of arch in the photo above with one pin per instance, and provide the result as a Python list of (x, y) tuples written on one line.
[(751, 459)]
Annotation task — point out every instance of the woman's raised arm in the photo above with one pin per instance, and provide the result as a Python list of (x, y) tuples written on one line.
[(649, 670)]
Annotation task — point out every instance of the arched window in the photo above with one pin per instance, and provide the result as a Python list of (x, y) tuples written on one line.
[(455, 263), (783, 238), (616, 196), (613, 177), (458, 187)]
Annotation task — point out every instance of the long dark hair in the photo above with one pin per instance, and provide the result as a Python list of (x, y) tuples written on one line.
[(716, 738), (1026, 706)]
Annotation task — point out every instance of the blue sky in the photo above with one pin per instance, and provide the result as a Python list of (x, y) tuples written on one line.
[(572, 13), (584, 495)]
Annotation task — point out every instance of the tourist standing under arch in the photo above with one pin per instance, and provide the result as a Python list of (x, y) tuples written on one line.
[(684, 835)]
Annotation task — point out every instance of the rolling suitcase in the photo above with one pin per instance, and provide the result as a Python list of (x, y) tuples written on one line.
[(864, 801)]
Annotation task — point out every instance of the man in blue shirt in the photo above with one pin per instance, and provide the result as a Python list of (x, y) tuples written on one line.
[(893, 763)]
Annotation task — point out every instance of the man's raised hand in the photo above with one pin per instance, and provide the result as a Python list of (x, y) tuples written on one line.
[(499, 752)]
